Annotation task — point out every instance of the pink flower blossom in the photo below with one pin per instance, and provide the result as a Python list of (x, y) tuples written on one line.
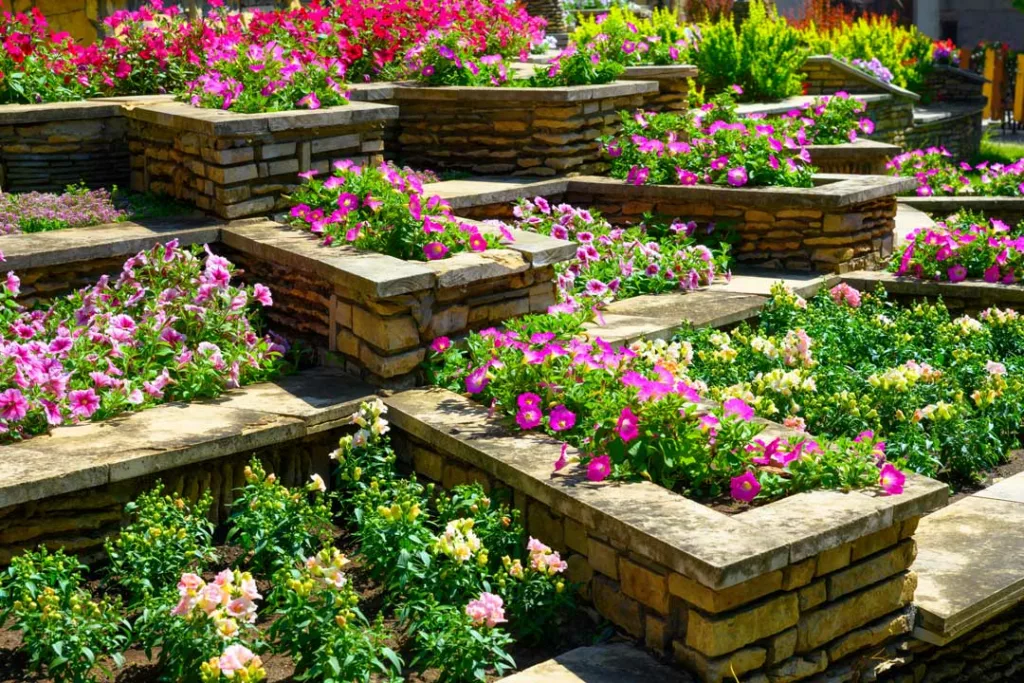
[(440, 345), (83, 402), (486, 610), (745, 487), (561, 419), (628, 425), (599, 468), (261, 293), (738, 408), (13, 405), (891, 479)]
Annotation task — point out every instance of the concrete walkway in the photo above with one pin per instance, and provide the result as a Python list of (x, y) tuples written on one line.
[(614, 663)]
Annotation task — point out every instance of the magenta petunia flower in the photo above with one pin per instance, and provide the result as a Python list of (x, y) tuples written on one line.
[(562, 460), (957, 273), (13, 405), (527, 401), (737, 408), (561, 419), (529, 418), (737, 177), (310, 101), (745, 487), (440, 345), (628, 426), (599, 468), (347, 202), (891, 479), (262, 294), (477, 380), (867, 126), (477, 242), (83, 402), (434, 250)]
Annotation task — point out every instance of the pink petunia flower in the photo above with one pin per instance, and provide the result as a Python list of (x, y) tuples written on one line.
[(83, 402), (745, 487), (891, 479), (561, 419), (628, 426), (599, 468), (737, 408)]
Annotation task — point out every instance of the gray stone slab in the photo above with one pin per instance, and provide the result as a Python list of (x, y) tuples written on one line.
[(407, 91), (940, 207), (867, 280), (909, 219), (858, 149), (863, 76), (465, 268), (24, 251), (760, 282), (19, 114), (376, 275), (790, 103), (612, 663), (1010, 490), (673, 71), (371, 92), (970, 565), (538, 250), (939, 112), (482, 191)]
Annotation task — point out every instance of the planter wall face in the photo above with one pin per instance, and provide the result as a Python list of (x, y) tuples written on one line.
[(673, 85), (49, 146), (512, 131), (862, 157), (1007, 209), (784, 589), (375, 315), (240, 165)]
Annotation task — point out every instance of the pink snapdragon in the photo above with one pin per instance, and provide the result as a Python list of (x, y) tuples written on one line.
[(487, 610)]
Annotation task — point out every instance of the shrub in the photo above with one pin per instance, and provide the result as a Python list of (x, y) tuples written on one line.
[(577, 66), (764, 57), (622, 36)]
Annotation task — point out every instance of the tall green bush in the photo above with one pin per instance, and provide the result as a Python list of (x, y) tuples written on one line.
[(764, 57)]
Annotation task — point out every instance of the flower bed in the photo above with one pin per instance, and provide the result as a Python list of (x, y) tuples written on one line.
[(940, 392), (937, 175), (460, 576), (38, 212), (517, 131), (238, 165), (168, 328)]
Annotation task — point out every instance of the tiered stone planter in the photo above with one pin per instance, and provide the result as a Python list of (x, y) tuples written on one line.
[(780, 592), (46, 147), (861, 157), (673, 85), (969, 296), (375, 315), (952, 84), (238, 165), (842, 224), (517, 131), (1008, 209)]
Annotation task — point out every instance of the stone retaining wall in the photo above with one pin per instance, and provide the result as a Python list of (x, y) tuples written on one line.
[(951, 84), (826, 75), (239, 165), (824, 603), (673, 85), (1008, 209), (49, 146), (862, 157), (375, 315), (968, 297), (958, 128), (512, 131), (79, 522)]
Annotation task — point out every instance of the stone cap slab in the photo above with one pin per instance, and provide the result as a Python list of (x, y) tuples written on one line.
[(482, 191), (218, 122), (873, 81), (537, 249), (371, 92), (382, 276), (943, 111), (73, 458), (940, 207), (668, 71), (854, 150), (867, 280), (708, 546), (795, 102), (20, 114), (970, 562), (24, 251), (408, 91), (610, 663), (962, 74), (831, 191)]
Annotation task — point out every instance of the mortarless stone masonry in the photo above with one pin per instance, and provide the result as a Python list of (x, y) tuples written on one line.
[(512, 131), (240, 165)]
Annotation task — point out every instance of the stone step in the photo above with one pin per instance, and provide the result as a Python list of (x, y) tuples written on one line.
[(909, 219), (970, 561), (612, 663)]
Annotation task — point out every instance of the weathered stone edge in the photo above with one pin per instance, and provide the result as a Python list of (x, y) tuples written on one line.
[(575, 93), (949, 205), (910, 286), (19, 114), (281, 428), (868, 78), (851, 150), (768, 549)]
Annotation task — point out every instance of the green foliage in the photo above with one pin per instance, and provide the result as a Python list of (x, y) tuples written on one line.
[(32, 571), (623, 36), (447, 639), (764, 57), (166, 537), (274, 524), (577, 66)]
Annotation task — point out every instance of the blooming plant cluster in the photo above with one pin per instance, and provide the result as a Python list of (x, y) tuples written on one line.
[(620, 263), (713, 149), (624, 37), (578, 65), (830, 120), (874, 67), (963, 246), (945, 52), (448, 58), (459, 568), (942, 394), (169, 327), (292, 57), (384, 209), (635, 413), (77, 207), (937, 174)]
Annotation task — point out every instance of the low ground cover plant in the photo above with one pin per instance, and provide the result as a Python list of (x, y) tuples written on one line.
[(633, 413), (461, 582), (942, 394), (620, 263), (384, 209), (965, 245), (937, 174), (170, 327)]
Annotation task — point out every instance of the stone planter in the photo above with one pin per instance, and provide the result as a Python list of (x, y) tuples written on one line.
[(46, 147), (842, 224), (788, 590), (375, 315), (861, 157), (952, 84), (238, 165), (673, 85), (517, 131), (969, 297), (1008, 209)]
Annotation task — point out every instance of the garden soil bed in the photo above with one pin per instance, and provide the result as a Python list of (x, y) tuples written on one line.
[(1014, 465), (582, 629)]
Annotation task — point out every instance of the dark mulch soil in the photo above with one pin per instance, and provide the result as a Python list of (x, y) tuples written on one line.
[(1014, 465), (583, 628)]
